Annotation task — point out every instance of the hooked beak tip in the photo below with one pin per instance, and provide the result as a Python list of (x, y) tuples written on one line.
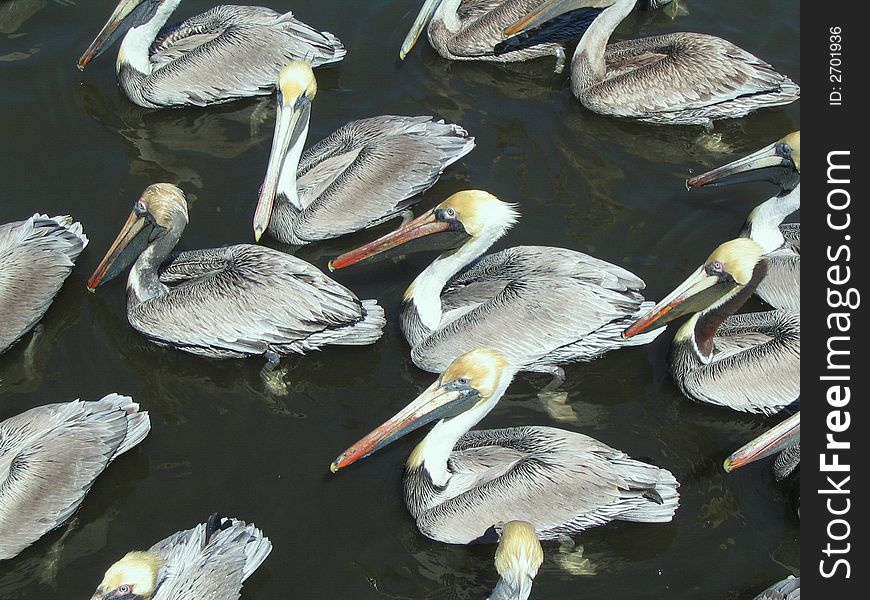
[(727, 465), (331, 266), (334, 467), (258, 233)]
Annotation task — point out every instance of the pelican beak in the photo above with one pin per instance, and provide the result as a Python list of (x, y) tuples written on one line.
[(546, 11), (770, 442), (290, 126), (758, 166), (136, 234), (438, 401), (696, 293), (423, 18), (426, 224), (122, 15)]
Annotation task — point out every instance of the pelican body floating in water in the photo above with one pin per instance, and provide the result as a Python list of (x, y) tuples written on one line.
[(36, 257), (540, 306), (517, 559), (678, 78), (210, 561), (780, 164), (225, 53), (49, 458), (366, 172), (787, 589), (234, 301), (459, 484), (749, 362)]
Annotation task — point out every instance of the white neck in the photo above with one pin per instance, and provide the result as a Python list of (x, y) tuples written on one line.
[(134, 51), (437, 446), (587, 65), (287, 180), (762, 225), (447, 13)]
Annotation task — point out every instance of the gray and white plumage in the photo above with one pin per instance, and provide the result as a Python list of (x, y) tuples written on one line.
[(49, 458), (781, 287), (460, 485), (36, 257), (366, 172), (679, 78), (517, 559), (225, 53), (210, 561), (540, 306), (233, 301), (787, 589)]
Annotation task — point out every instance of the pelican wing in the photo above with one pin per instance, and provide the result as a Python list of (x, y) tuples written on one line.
[(694, 72), (190, 59), (369, 170), (36, 256), (201, 564), (760, 347), (559, 481), (792, 234), (781, 287), (243, 300), (544, 301), (50, 457)]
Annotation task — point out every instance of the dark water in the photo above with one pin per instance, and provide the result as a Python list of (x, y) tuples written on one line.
[(71, 143)]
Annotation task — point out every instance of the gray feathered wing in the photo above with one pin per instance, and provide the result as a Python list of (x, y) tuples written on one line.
[(781, 287)]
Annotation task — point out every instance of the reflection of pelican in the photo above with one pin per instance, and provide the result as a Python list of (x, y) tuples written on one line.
[(780, 164), (460, 483), (224, 53), (212, 560), (227, 302), (678, 78), (540, 306), (787, 589), (50, 457), (36, 256), (517, 560), (367, 171), (748, 362), (471, 30)]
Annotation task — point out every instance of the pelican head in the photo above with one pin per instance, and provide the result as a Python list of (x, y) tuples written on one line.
[(474, 214), (549, 10), (730, 268), (779, 163), (161, 210), (134, 577), (517, 560), (296, 87), (776, 439), (473, 381), (127, 14)]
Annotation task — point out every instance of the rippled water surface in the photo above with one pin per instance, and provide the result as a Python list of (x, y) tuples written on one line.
[(71, 143)]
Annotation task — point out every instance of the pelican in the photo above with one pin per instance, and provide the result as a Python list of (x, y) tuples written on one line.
[(540, 306), (517, 559), (472, 30), (787, 589), (366, 172), (36, 257), (225, 53), (210, 561), (749, 362), (459, 484), (49, 458), (780, 164), (234, 301), (678, 78)]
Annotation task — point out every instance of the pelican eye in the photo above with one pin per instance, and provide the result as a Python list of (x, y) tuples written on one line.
[(125, 589), (714, 268), (450, 211), (139, 208), (462, 381)]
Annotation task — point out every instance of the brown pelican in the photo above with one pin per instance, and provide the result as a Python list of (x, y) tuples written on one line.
[(780, 164), (234, 301), (366, 172), (210, 561), (225, 53), (787, 589), (749, 362), (540, 306), (49, 458), (517, 560), (678, 78), (459, 484), (36, 257)]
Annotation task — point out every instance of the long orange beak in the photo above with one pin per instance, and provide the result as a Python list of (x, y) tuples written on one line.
[(426, 224), (108, 33), (131, 232), (770, 442)]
